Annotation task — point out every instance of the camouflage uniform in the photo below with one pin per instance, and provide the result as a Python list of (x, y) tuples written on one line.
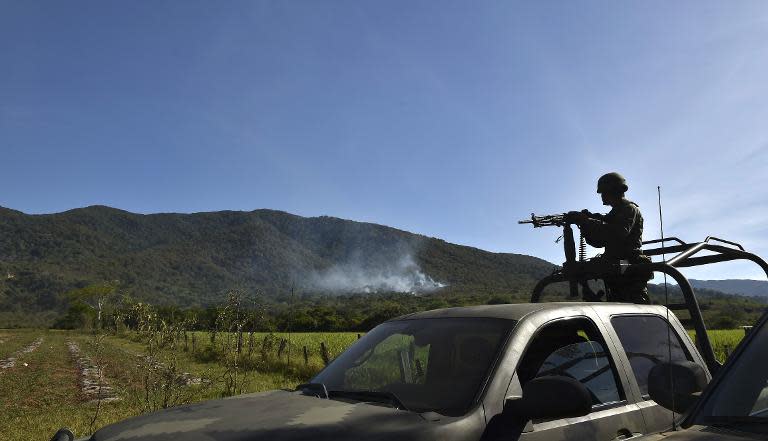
[(620, 232)]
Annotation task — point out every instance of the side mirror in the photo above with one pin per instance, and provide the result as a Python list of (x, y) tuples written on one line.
[(63, 434), (550, 397), (675, 386)]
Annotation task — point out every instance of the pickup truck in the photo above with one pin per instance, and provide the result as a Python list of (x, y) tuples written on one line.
[(734, 407), (539, 371)]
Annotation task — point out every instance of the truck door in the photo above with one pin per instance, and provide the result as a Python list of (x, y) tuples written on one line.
[(647, 341), (574, 347)]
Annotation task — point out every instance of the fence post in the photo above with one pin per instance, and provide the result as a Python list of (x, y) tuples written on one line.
[(324, 353), (306, 357), (264, 347), (281, 348)]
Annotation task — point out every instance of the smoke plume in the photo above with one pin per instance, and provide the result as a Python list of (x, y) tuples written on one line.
[(402, 274)]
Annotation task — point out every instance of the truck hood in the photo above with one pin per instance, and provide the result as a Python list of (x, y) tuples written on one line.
[(274, 416)]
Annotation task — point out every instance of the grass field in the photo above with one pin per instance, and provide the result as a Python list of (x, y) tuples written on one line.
[(38, 398), (44, 392), (723, 341)]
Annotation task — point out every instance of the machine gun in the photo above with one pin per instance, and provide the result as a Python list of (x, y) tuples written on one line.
[(561, 220), (550, 220), (569, 247)]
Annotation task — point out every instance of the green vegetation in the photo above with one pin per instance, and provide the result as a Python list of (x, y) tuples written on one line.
[(11, 342), (360, 313), (724, 341), (45, 394), (720, 311)]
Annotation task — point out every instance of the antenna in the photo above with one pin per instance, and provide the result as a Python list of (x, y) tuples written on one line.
[(666, 305)]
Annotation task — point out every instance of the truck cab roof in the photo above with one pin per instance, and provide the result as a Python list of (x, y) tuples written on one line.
[(516, 311)]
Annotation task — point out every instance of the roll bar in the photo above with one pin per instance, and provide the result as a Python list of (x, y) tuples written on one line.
[(579, 272)]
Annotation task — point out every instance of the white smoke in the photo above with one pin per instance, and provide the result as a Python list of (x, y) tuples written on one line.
[(401, 275)]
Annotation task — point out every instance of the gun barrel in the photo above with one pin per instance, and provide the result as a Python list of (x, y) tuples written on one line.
[(550, 220)]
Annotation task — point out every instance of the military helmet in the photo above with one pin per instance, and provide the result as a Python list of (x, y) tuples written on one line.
[(612, 183)]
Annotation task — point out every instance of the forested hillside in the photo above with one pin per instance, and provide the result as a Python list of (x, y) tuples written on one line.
[(193, 259)]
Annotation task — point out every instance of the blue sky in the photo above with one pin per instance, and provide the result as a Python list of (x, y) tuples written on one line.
[(450, 119)]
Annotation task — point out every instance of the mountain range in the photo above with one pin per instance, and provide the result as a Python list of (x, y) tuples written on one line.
[(745, 287), (193, 259)]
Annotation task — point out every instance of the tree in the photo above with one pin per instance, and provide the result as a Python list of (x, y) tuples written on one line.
[(77, 316), (95, 296)]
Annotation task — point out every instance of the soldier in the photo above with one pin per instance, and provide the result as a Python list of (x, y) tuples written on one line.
[(620, 233)]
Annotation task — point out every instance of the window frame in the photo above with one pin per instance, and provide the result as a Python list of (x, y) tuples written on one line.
[(613, 362), (623, 352), (509, 328)]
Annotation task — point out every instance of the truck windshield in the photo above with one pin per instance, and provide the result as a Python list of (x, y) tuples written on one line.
[(435, 364), (742, 394)]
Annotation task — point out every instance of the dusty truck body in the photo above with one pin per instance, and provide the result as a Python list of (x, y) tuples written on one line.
[(542, 371)]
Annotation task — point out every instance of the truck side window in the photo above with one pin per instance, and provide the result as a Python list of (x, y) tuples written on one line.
[(573, 348), (647, 342)]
